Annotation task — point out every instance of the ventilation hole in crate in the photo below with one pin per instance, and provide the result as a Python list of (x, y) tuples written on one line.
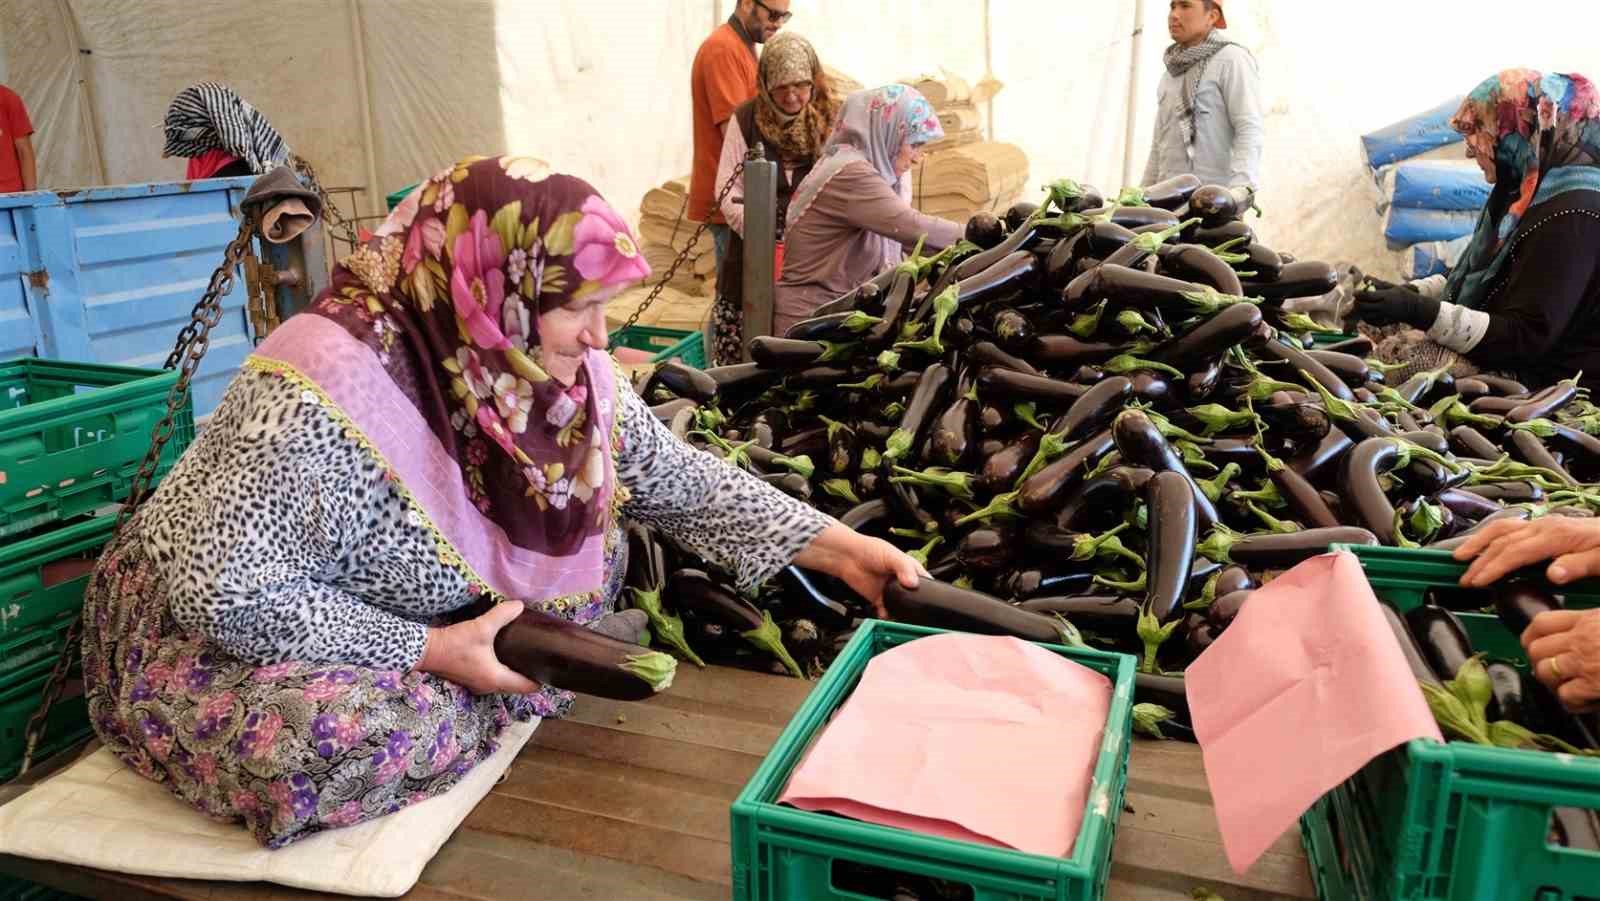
[(895, 885), (1575, 827)]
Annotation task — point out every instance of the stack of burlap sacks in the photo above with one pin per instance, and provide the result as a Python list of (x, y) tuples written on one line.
[(959, 175)]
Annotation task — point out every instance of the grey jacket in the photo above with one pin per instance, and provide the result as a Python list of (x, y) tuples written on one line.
[(1228, 124)]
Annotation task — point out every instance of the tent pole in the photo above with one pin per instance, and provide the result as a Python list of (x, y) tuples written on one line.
[(363, 91), (1137, 45), (988, 64)]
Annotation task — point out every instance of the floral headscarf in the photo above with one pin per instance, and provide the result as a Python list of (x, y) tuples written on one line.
[(1543, 132), (789, 59), (873, 127), (426, 342)]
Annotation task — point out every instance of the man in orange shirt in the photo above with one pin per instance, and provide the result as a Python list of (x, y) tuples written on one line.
[(18, 171), (724, 76)]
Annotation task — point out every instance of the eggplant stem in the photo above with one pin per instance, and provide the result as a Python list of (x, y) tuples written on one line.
[(668, 627), (1000, 505), (1026, 411), (768, 638)]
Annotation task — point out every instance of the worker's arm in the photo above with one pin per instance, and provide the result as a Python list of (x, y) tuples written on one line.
[(25, 161), (875, 206), (1241, 91), (1550, 277), (733, 150)]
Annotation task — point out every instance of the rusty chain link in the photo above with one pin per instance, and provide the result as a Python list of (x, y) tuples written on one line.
[(688, 248), (330, 213), (191, 346)]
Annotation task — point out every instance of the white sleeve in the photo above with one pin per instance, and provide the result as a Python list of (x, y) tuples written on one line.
[(733, 150), (1432, 286)]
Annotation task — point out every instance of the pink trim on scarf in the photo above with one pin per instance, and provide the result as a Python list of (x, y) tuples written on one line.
[(349, 373)]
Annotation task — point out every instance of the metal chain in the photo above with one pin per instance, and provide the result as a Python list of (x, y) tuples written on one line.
[(688, 248), (192, 344)]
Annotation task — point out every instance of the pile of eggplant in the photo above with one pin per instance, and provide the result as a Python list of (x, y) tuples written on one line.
[(1096, 422)]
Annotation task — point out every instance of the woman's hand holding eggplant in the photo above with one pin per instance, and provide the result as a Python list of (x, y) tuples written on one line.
[(1504, 546), (1564, 650), (464, 653), (862, 562)]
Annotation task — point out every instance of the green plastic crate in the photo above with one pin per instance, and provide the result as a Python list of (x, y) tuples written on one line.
[(72, 436), (1320, 340), (668, 343), (1322, 832), (1455, 821), (784, 854), (394, 198), (34, 618)]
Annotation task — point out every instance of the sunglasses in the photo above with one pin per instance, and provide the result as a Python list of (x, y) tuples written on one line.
[(773, 16)]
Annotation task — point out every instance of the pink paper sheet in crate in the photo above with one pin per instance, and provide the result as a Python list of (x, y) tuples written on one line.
[(972, 737)]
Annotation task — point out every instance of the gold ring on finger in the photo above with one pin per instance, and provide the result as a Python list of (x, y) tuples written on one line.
[(1555, 670)]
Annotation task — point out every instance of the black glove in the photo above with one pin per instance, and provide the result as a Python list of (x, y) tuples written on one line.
[(1402, 305)]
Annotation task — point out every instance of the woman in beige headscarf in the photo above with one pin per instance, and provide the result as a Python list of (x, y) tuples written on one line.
[(791, 116)]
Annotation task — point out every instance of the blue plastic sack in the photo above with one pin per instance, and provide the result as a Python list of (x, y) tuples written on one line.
[(1409, 137), (1439, 185), (1406, 226), (1437, 257)]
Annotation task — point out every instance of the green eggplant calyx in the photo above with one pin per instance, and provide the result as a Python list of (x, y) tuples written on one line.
[(768, 638), (667, 627), (1147, 719), (654, 667)]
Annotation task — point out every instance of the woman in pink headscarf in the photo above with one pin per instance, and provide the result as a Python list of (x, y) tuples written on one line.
[(282, 634), (852, 216)]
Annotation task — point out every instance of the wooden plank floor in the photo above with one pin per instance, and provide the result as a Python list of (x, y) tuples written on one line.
[(630, 801)]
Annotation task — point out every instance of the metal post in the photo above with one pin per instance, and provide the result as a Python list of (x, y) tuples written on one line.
[(760, 238)]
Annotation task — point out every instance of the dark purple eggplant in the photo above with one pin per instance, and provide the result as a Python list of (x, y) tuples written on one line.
[(1012, 330), (1502, 386), (1353, 369), (1132, 217), (1326, 456), (952, 440), (1168, 692), (1359, 346), (669, 411), (1302, 423), (1241, 451), (1194, 263), (846, 326), (1421, 670), (986, 353), (1466, 504), (1277, 550), (1506, 683), (692, 589), (918, 417), (1170, 499), (686, 381), (1109, 616), (560, 653), (1209, 340), (1362, 489), (1170, 193), (1202, 383), (1508, 492), (1305, 504), (944, 606), (1495, 405), (1067, 352), (1441, 637), (1090, 411), (801, 585), (1546, 403), (1152, 388), (986, 550), (1232, 233), (1262, 260), (1000, 471), (985, 229), (1518, 601), (1222, 611), (1469, 441), (1142, 444), (791, 483), (1303, 362), (1104, 498), (995, 382), (1471, 389), (1050, 487), (1527, 447), (1005, 281), (1030, 583), (1217, 205), (896, 307), (1307, 278), (1137, 289), (1019, 213), (992, 419)]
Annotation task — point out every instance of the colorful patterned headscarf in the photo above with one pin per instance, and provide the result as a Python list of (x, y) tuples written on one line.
[(426, 343), (1543, 132), (873, 127), (789, 59)]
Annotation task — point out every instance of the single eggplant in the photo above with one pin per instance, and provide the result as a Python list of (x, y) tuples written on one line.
[(686, 381), (1142, 444), (985, 229), (1546, 403), (1353, 369), (839, 327), (1103, 498), (1304, 502), (1421, 670), (556, 652), (802, 585), (945, 606), (692, 589), (1029, 583), (1466, 504), (1469, 441), (1527, 447), (1365, 463), (1278, 550), (1050, 487), (1502, 386), (1307, 278), (1226, 607), (995, 382), (1442, 638), (1195, 263), (987, 354), (986, 550), (1217, 205), (1303, 362), (1012, 330), (1518, 601), (1359, 346), (1211, 339), (1325, 457), (1170, 499), (1000, 471), (1171, 193), (918, 417), (1108, 616)]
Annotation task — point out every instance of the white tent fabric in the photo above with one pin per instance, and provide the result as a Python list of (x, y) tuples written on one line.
[(380, 93)]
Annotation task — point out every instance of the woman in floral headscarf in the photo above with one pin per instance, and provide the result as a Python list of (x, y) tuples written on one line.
[(791, 116), (1525, 297), (852, 215), (280, 634)]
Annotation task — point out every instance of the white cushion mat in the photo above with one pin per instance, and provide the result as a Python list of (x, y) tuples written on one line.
[(99, 813)]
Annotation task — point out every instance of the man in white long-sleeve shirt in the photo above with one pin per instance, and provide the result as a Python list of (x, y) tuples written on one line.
[(1208, 118)]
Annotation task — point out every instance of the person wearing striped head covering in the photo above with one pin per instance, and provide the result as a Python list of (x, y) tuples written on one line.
[(220, 133)]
